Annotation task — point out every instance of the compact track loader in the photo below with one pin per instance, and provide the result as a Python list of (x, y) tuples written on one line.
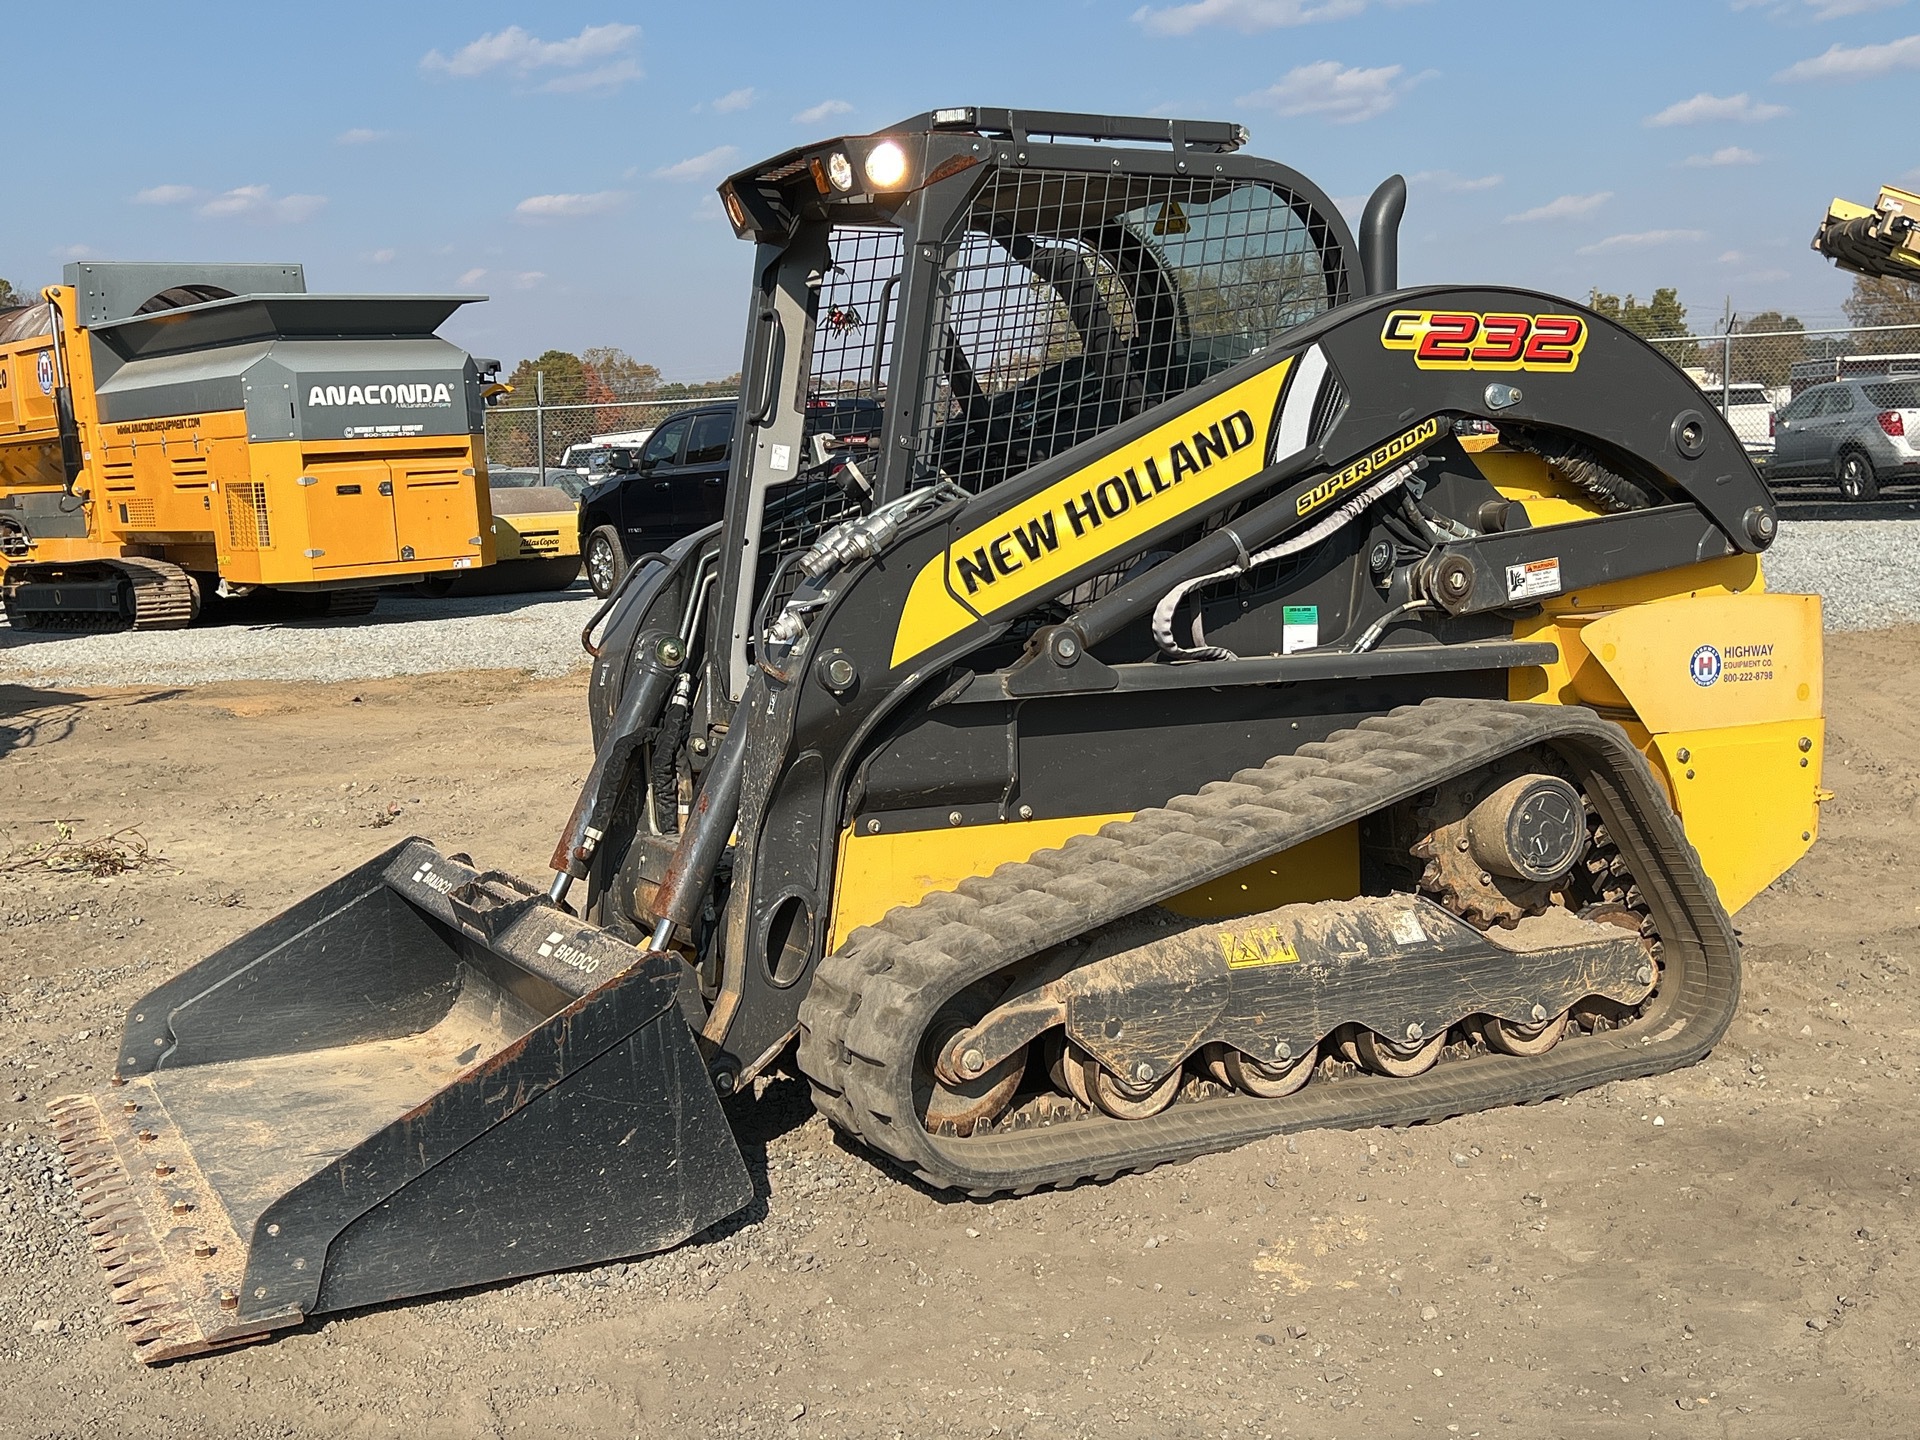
[(1236, 695)]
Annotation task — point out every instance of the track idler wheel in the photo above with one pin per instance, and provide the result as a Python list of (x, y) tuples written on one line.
[(957, 1109), (1507, 1038), (1373, 1052), (1267, 1082), (1127, 1102)]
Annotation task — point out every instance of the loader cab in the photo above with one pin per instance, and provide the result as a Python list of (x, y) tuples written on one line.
[(999, 286)]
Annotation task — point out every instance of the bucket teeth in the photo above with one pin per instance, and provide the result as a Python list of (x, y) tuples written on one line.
[(162, 1296)]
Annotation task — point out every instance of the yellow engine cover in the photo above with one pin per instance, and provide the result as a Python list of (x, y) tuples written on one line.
[(1728, 688)]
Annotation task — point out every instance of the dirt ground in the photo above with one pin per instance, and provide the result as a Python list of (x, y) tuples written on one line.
[(1727, 1251)]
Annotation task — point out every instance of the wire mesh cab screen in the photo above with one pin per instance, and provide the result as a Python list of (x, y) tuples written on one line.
[(1072, 302), (848, 358)]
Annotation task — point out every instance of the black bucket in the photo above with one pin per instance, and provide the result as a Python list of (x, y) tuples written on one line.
[(418, 1079)]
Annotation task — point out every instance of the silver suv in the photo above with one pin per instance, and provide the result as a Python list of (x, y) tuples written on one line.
[(1862, 431)]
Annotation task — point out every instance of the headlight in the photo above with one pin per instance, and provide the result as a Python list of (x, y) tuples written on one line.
[(886, 165), (840, 171)]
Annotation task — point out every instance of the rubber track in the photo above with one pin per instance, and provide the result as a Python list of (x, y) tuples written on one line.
[(162, 600), (872, 1001), (162, 593)]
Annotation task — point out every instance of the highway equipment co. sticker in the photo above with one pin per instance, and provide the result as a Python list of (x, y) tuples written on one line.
[(1705, 666), (1534, 579)]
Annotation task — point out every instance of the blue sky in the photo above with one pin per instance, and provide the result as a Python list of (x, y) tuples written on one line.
[(561, 158)]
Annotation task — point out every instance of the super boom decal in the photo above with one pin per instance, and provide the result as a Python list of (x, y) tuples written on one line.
[(1096, 513)]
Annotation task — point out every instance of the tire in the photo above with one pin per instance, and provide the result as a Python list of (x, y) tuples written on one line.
[(1853, 473), (606, 560)]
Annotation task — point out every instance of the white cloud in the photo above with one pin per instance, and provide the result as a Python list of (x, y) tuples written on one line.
[(1838, 9), (825, 110), (1449, 183), (1564, 207), (518, 279), (1640, 240), (569, 207), (361, 136), (1704, 108), (383, 257), (74, 252), (596, 57), (1725, 155), (1858, 62), (1343, 94), (166, 195), (1246, 16), (734, 100), (1730, 257), (259, 203), (1822, 9), (699, 167)]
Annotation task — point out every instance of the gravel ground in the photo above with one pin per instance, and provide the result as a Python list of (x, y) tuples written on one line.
[(539, 633), (1866, 569)]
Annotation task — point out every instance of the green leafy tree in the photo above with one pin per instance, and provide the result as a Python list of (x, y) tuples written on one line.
[(12, 299), (612, 374), (1662, 317), (1877, 301), (1769, 358)]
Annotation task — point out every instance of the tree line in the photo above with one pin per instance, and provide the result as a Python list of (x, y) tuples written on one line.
[(604, 375), (1777, 340)]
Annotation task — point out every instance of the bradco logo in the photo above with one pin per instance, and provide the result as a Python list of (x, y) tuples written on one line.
[(400, 395), (555, 947), (425, 876), (1705, 666)]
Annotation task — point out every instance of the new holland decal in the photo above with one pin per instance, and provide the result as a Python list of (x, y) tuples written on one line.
[(1464, 340), (1099, 511)]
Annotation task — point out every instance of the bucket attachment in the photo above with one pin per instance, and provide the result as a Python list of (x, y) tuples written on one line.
[(418, 1079)]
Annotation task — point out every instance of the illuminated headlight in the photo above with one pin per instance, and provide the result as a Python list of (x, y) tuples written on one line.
[(840, 171), (886, 165)]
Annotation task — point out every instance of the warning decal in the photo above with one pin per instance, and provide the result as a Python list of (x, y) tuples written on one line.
[(1534, 579)]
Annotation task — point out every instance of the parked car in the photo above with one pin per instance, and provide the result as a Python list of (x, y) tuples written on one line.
[(647, 498), (1749, 411), (677, 482), (1862, 432)]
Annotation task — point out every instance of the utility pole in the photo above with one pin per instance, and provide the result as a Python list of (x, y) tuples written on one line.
[(540, 420), (1726, 357)]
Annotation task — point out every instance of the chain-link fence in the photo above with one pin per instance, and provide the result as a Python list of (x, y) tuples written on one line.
[(1751, 374), (539, 436)]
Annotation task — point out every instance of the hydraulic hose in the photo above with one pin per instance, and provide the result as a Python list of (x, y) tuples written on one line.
[(683, 891), (1163, 613)]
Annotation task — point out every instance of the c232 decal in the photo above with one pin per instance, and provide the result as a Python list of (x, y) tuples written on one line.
[(1466, 340)]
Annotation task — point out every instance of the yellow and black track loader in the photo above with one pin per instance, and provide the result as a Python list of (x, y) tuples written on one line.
[(1237, 695)]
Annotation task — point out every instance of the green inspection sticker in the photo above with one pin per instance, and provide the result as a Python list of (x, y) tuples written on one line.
[(1299, 628)]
